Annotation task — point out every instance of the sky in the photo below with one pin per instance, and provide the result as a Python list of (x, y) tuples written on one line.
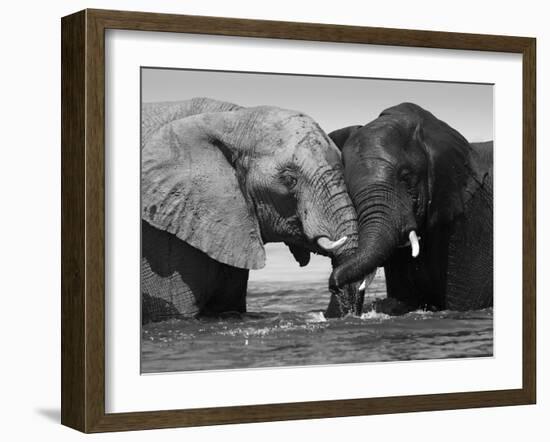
[(334, 102)]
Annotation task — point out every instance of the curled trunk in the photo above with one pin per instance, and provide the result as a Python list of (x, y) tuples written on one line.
[(380, 229), (348, 300), (375, 248), (350, 271)]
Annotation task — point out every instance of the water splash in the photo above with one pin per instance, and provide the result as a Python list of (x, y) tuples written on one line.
[(372, 314), (316, 317), (285, 326)]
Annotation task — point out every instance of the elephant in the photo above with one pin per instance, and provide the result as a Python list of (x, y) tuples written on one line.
[(218, 182), (424, 201)]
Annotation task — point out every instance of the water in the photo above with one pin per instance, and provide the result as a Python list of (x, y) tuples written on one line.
[(285, 326)]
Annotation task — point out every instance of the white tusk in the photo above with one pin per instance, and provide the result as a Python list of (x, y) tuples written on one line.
[(327, 244), (414, 244), (363, 285)]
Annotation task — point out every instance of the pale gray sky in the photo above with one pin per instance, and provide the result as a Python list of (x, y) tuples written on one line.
[(334, 102)]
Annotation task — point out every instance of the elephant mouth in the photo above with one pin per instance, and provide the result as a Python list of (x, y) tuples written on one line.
[(320, 245)]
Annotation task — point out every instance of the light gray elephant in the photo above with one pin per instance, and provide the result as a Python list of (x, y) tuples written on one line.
[(218, 182)]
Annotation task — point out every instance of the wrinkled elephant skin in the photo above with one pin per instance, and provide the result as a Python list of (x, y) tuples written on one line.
[(218, 182), (424, 199)]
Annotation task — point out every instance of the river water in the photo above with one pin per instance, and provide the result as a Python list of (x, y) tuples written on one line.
[(285, 326)]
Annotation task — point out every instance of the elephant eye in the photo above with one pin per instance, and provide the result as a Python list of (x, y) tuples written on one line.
[(405, 175), (289, 181)]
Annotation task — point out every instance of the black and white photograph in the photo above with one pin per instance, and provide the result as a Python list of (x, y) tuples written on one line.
[(299, 220)]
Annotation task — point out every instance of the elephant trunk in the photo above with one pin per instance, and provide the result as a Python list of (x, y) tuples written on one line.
[(328, 217), (384, 223), (375, 247), (344, 284), (348, 300), (340, 220), (341, 208)]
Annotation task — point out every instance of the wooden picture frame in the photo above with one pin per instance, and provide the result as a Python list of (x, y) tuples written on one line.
[(83, 217)]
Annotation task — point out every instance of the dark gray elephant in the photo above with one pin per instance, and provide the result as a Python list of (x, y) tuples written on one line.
[(424, 199), (218, 182)]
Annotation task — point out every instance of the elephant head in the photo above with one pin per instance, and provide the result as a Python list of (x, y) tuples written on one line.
[(406, 172), (227, 179)]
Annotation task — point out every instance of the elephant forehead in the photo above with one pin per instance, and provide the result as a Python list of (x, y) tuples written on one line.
[(381, 136), (283, 121), (304, 148), (298, 136), (320, 148)]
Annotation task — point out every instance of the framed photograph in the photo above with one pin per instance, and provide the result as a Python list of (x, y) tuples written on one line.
[(267, 220)]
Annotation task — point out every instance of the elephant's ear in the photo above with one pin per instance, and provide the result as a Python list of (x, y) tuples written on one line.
[(191, 189), (454, 174), (156, 115), (340, 136)]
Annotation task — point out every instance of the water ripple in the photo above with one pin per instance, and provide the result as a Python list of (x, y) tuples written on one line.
[(286, 326)]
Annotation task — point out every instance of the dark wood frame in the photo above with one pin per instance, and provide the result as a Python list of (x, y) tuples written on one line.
[(83, 215)]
